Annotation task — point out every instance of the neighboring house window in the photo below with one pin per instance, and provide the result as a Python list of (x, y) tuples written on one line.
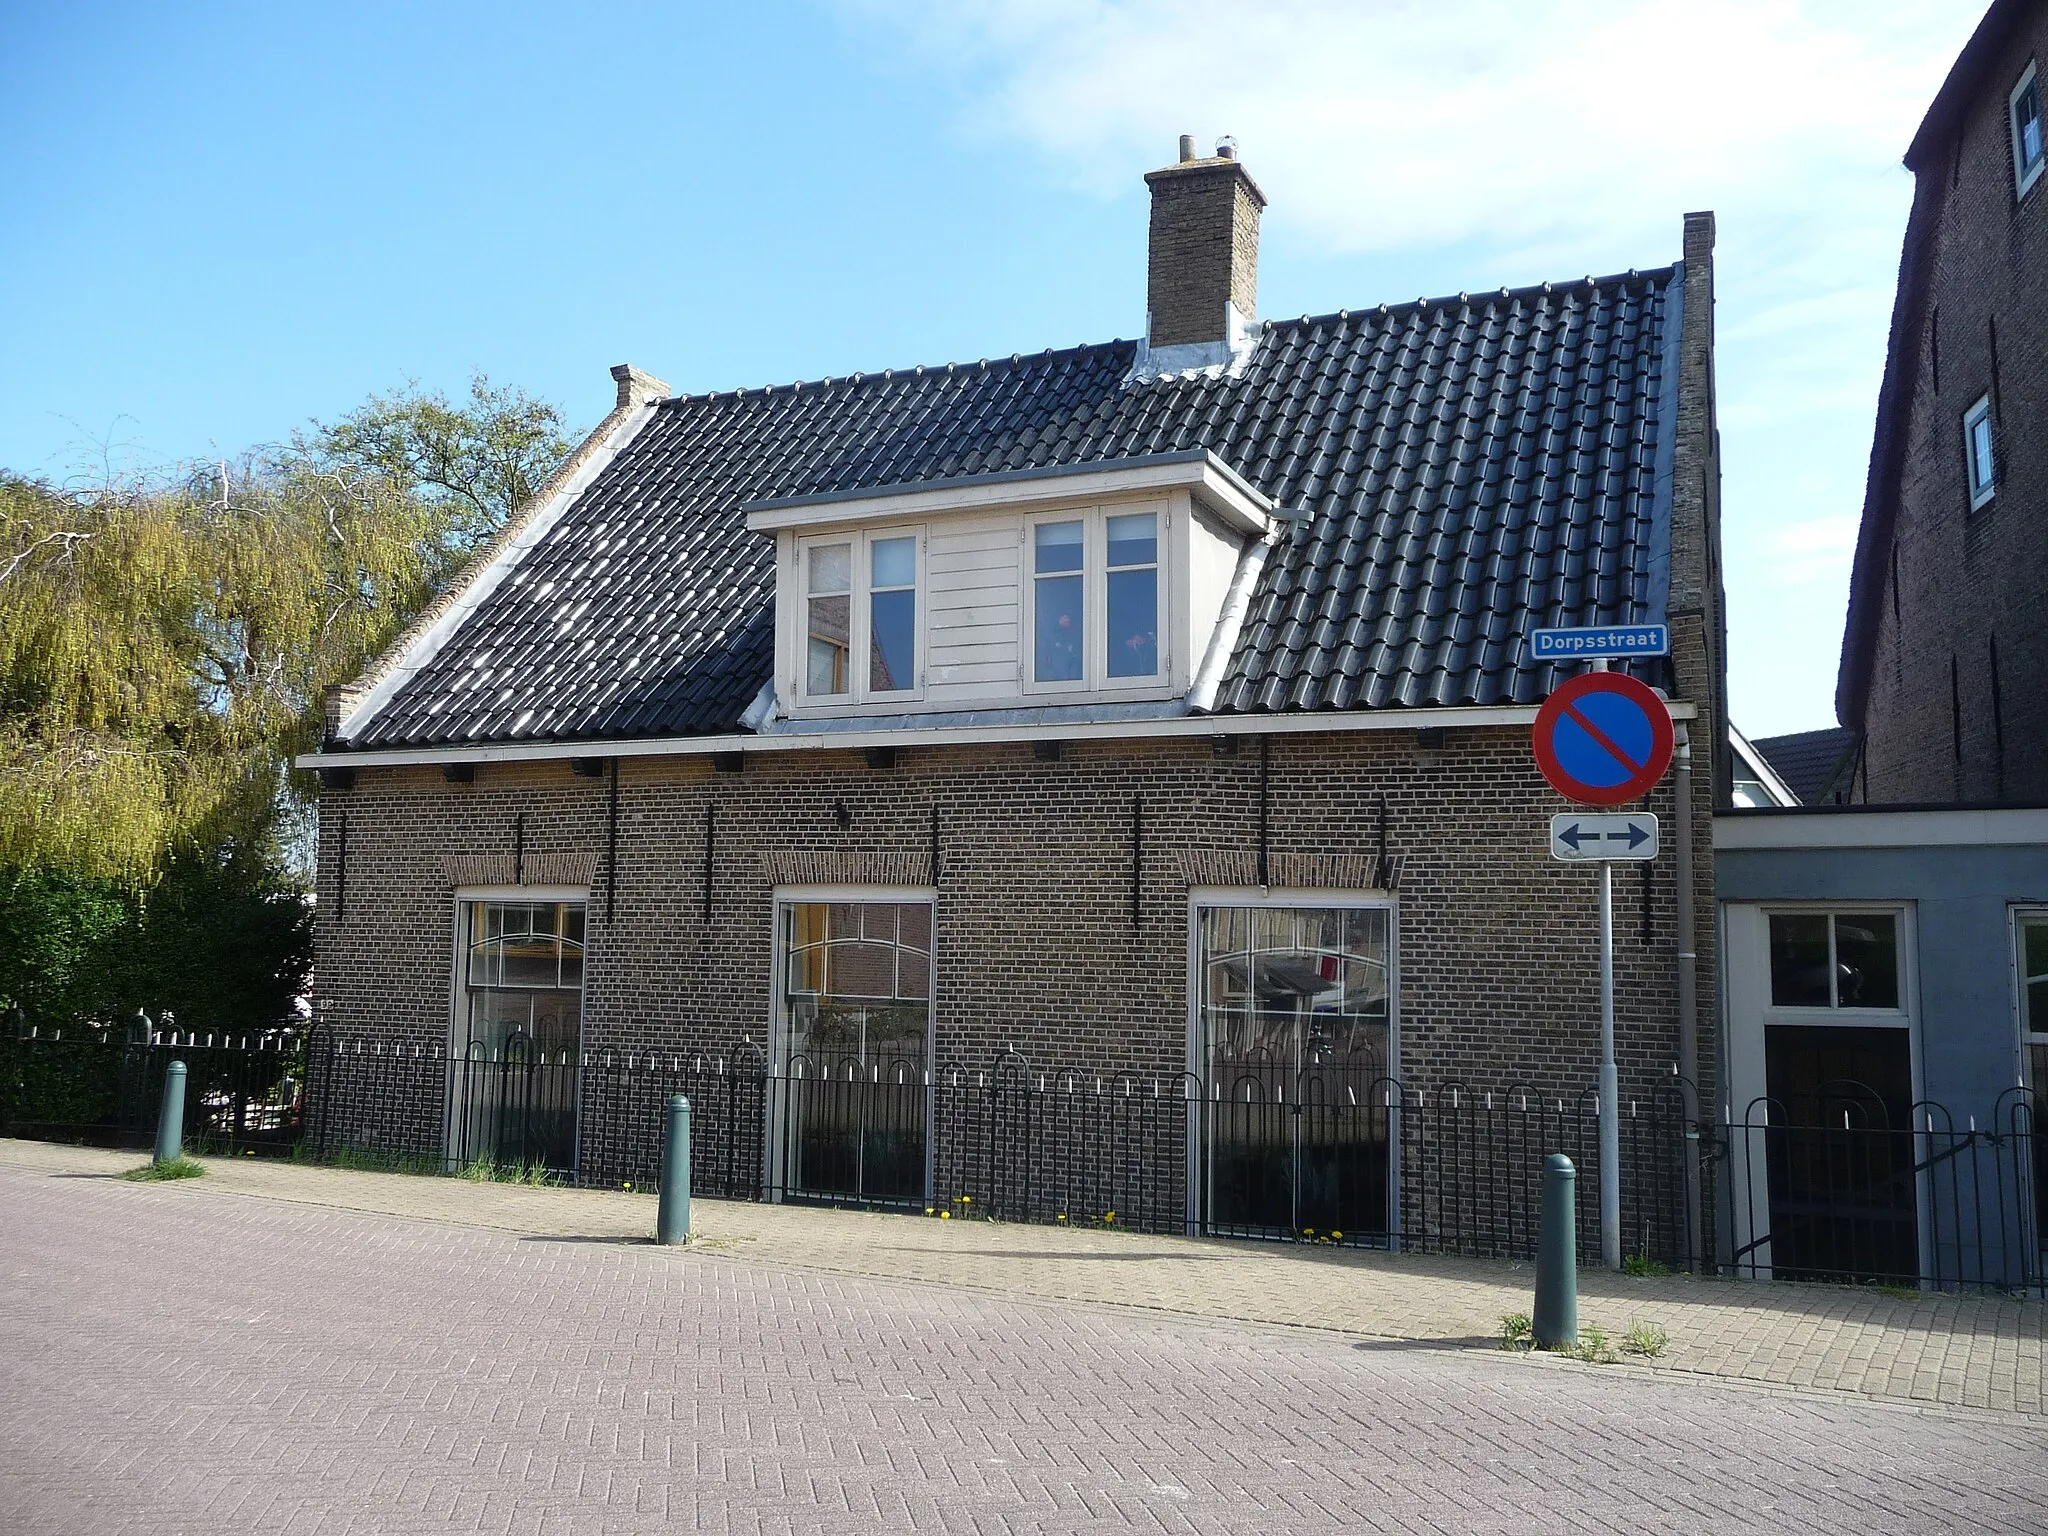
[(1835, 960), (1977, 453), (519, 1033), (2026, 132), (860, 599), (1095, 600)]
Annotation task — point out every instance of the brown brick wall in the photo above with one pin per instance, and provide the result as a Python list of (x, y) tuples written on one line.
[(1204, 250), (1035, 947), (1966, 578)]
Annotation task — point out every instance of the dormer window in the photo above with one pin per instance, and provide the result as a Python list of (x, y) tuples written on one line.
[(2027, 155), (860, 601), (1094, 600), (1977, 453), (1056, 588)]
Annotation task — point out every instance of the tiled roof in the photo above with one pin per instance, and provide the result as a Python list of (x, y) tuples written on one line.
[(1473, 467), (1809, 762)]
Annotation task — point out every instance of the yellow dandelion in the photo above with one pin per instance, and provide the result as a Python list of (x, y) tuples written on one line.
[(1109, 1215), (945, 1215), (1308, 1231), (927, 1210), (627, 1185)]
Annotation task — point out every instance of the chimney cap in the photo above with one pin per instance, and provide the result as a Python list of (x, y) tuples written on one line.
[(1226, 148), (1187, 147)]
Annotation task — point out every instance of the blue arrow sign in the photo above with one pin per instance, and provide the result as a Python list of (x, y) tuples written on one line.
[(1600, 641)]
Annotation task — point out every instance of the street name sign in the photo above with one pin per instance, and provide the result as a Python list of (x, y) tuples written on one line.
[(1578, 838), (1600, 642), (1602, 738)]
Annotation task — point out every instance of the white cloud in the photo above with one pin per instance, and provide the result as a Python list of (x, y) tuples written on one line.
[(1539, 139)]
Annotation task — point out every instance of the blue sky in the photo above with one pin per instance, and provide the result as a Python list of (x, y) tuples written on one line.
[(217, 222)]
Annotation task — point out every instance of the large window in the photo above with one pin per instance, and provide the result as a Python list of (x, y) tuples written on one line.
[(1978, 461), (1295, 1042), (1095, 600), (514, 1069), (861, 621), (853, 1050), (2025, 114)]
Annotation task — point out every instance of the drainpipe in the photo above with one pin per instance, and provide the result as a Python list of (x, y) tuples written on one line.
[(1688, 1000)]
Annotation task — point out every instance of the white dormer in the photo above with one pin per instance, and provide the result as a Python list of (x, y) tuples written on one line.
[(1099, 583)]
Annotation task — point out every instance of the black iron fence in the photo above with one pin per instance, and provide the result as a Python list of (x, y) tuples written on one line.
[(243, 1092), (1836, 1186)]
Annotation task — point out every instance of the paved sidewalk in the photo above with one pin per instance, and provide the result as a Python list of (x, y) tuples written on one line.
[(1983, 1352), (183, 1360)]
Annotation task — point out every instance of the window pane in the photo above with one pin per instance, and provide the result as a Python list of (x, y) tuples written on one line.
[(1799, 960), (1867, 960), (1133, 623), (2034, 946), (895, 562), (2037, 1015), (1980, 453), (829, 644), (1059, 547), (1133, 539), (1057, 618), (892, 641), (831, 567), (2026, 115)]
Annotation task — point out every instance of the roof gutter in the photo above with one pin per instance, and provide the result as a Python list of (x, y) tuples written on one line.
[(1306, 723)]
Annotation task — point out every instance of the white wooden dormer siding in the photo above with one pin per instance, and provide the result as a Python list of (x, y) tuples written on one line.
[(976, 591)]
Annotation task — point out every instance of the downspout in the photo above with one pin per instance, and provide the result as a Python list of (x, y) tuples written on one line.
[(1688, 1003)]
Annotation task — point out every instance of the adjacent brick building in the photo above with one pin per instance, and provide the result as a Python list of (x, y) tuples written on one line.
[(1145, 719), (1945, 660)]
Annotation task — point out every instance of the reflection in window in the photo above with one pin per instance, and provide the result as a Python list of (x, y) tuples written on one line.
[(858, 984), (523, 975), (892, 615), (1133, 601), (830, 615), (1834, 960), (2026, 131), (1292, 989), (1057, 598), (1977, 451)]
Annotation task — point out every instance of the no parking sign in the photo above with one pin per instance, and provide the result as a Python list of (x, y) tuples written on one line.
[(1603, 738)]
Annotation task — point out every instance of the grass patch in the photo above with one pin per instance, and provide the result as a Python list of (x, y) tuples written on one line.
[(364, 1160), (1517, 1331), (180, 1167), (1643, 1267), (484, 1170), (1594, 1347), (1646, 1340)]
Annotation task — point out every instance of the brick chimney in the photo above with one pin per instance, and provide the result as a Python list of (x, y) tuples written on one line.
[(1202, 272)]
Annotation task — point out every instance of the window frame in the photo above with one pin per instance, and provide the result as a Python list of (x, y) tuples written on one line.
[(860, 589), (2021, 917), (1981, 491), (2023, 175), (1897, 1017), (1095, 678)]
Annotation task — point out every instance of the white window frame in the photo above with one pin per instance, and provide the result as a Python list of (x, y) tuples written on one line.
[(860, 619), (1899, 1017), (1205, 896), (1095, 678), (2018, 917), (1984, 488), (777, 1052), (2023, 175)]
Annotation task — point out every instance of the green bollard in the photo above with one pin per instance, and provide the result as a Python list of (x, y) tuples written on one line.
[(170, 1123), (672, 1221), (1557, 1258)]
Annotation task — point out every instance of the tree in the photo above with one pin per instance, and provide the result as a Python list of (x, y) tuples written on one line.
[(475, 464)]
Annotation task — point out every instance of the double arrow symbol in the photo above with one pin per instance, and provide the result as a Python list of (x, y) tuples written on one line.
[(1572, 836)]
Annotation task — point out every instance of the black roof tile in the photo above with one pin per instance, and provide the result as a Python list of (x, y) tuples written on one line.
[(1474, 468)]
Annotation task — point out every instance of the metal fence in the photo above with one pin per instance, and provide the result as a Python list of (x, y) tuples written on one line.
[(1832, 1187), (243, 1093)]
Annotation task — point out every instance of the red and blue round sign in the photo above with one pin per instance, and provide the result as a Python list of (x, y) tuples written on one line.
[(1603, 738)]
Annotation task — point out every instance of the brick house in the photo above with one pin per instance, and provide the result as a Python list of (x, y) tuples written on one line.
[(1945, 655), (1147, 720)]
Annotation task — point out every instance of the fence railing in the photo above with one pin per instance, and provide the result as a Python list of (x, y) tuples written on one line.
[(243, 1093), (1835, 1187)]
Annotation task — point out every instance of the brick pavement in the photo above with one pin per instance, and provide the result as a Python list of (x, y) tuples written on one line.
[(1969, 1351), (182, 1359)]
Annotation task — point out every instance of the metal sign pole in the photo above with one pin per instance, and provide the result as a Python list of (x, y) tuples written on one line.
[(1610, 1085)]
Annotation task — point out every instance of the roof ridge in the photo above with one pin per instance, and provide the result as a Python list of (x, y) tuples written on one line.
[(1650, 275)]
